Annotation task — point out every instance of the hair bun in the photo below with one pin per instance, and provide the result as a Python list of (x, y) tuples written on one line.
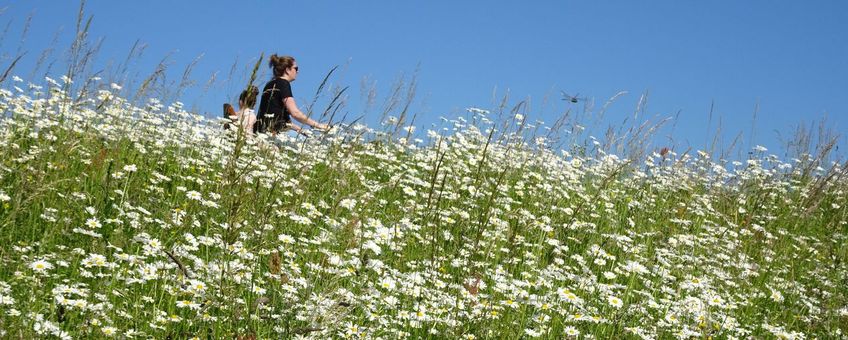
[(280, 63)]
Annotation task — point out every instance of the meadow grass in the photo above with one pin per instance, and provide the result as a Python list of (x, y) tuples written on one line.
[(148, 221)]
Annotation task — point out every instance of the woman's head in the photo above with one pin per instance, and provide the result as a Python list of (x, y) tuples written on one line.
[(283, 66), (247, 98)]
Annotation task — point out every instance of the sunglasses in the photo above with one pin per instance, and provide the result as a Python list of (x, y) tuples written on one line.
[(297, 68)]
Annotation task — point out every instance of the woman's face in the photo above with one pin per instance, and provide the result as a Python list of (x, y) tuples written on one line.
[(292, 71)]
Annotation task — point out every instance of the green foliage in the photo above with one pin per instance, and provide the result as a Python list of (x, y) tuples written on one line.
[(150, 221)]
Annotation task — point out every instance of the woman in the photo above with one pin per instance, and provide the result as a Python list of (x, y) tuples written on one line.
[(277, 106)]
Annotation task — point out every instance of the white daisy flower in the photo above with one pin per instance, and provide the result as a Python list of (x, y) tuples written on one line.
[(614, 301), (41, 266)]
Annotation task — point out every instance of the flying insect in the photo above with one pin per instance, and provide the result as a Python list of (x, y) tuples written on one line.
[(573, 99)]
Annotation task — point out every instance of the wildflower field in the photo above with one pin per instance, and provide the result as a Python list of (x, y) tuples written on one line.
[(146, 221)]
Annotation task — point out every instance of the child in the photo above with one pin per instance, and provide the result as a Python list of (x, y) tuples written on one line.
[(244, 117)]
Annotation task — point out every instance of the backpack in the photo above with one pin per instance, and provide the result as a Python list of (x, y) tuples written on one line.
[(228, 112)]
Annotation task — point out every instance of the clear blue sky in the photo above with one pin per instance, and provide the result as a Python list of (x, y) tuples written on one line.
[(791, 58)]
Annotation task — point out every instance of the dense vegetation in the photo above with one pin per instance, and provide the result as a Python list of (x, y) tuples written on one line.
[(148, 221)]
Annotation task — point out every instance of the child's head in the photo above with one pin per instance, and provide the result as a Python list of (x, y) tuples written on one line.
[(248, 97)]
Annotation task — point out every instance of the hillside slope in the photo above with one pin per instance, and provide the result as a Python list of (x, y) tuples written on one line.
[(129, 221)]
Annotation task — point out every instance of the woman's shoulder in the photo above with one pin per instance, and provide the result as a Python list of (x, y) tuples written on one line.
[(276, 83)]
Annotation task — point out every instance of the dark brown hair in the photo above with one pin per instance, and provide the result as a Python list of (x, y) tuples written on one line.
[(280, 64), (248, 97)]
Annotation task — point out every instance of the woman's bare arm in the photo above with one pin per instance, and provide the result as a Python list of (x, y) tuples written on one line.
[(295, 112)]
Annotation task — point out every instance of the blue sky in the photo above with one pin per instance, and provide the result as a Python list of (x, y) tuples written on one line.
[(787, 58)]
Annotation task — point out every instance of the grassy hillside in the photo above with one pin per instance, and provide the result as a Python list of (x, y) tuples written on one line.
[(134, 222)]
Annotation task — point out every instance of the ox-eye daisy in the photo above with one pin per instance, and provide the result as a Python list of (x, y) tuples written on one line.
[(41, 266), (614, 301)]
